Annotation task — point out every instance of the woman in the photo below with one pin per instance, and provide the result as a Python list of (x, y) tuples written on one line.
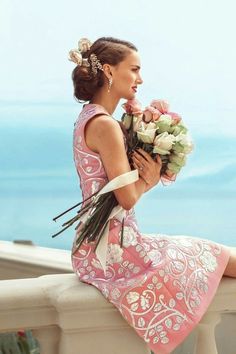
[(161, 284)]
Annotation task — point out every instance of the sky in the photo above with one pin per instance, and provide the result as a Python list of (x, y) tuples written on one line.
[(186, 50), (187, 53)]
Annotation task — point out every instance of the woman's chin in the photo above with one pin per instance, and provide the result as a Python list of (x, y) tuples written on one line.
[(131, 96)]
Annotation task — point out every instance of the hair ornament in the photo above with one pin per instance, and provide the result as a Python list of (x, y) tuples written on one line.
[(75, 55), (95, 63), (84, 45)]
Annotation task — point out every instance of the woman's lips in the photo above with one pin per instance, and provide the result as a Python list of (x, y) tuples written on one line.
[(134, 89)]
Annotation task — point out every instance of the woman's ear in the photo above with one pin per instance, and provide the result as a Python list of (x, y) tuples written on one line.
[(107, 70)]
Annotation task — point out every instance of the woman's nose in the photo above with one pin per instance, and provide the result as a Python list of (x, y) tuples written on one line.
[(140, 80)]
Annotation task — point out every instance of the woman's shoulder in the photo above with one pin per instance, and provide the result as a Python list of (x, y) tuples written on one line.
[(88, 111), (103, 122), (91, 109), (99, 127), (103, 129)]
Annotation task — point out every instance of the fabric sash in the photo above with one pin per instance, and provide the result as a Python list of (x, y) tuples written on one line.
[(118, 211)]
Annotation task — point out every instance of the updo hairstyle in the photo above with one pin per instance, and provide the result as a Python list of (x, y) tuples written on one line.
[(108, 50)]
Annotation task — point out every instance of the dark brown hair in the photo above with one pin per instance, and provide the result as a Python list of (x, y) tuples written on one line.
[(108, 50)]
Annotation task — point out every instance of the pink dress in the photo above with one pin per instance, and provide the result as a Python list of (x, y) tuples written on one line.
[(161, 284)]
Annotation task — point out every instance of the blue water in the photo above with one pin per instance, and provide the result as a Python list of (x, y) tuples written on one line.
[(38, 181)]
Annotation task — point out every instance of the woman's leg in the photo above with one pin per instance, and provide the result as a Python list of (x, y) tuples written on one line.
[(230, 270)]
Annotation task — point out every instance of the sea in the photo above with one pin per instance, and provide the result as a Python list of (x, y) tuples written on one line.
[(38, 181)]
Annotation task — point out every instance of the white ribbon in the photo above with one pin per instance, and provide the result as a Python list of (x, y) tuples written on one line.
[(118, 211)]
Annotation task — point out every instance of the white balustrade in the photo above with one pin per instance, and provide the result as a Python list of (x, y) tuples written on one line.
[(67, 316), (71, 317), (27, 261)]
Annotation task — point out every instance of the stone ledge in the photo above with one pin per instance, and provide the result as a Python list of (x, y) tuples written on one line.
[(24, 261), (73, 311)]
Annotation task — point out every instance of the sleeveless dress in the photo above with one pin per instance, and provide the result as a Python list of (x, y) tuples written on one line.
[(161, 284)]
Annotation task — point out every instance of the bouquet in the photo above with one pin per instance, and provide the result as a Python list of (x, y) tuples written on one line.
[(155, 130)]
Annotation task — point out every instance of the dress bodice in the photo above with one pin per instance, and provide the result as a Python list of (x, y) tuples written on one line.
[(88, 163)]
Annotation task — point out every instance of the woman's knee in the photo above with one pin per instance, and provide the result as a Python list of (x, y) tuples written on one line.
[(230, 269)]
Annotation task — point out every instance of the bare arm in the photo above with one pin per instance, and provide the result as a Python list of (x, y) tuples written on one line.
[(107, 139)]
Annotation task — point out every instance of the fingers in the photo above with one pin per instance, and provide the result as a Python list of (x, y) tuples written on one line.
[(141, 161), (158, 159), (138, 162), (140, 169), (144, 154), (140, 156), (137, 157)]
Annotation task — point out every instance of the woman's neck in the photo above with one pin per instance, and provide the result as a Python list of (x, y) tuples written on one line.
[(107, 101)]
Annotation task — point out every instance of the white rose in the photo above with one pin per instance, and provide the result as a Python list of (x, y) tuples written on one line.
[(183, 143), (137, 122), (163, 143), (178, 128), (147, 132), (173, 167), (164, 123), (178, 158), (165, 118)]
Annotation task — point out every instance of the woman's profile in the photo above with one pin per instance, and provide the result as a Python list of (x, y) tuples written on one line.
[(161, 284)]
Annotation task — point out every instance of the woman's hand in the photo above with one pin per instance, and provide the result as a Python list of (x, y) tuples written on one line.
[(148, 168)]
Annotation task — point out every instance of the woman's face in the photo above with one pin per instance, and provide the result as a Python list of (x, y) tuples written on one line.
[(126, 76)]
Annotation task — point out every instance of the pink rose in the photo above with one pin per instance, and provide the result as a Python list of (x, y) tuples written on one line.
[(168, 178), (163, 107), (175, 117), (147, 116), (133, 107), (151, 114), (160, 105)]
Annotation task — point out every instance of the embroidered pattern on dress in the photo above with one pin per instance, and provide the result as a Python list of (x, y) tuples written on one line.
[(189, 263), (158, 282)]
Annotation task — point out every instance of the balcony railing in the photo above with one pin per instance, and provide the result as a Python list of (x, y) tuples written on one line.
[(71, 317)]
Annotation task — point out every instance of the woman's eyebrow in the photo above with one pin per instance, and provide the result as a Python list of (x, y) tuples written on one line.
[(137, 66)]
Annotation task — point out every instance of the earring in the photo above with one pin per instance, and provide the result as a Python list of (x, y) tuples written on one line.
[(109, 84)]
